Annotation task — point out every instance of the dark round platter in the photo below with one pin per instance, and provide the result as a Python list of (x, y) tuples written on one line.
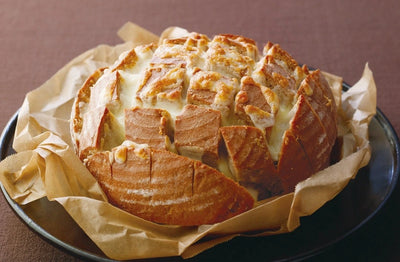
[(358, 203)]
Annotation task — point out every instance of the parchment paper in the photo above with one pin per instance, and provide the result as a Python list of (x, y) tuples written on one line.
[(45, 165)]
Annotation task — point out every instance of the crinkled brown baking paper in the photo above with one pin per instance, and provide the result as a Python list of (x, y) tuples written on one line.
[(45, 165)]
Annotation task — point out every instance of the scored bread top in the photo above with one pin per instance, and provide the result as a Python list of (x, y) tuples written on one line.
[(260, 119)]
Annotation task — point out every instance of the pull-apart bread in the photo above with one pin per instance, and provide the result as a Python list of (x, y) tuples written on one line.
[(193, 131)]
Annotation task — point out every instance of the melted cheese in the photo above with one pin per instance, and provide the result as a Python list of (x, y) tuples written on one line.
[(283, 117)]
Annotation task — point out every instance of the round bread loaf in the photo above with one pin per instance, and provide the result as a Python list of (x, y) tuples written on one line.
[(192, 131)]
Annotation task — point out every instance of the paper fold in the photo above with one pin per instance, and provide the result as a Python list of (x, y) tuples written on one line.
[(45, 165)]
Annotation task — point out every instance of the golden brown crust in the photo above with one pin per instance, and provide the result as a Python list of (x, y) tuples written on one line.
[(237, 52), (167, 188), (212, 89), (313, 128), (250, 160), (162, 84), (90, 138), (197, 133), (250, 94), (321, 100), (149, 126), (293, 165), (128, 60), (83, 96), (275, 51)]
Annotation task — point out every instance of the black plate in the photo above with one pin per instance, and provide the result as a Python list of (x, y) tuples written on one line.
[(352, 208)]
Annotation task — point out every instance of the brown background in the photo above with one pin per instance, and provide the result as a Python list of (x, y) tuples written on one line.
[(38, 37)]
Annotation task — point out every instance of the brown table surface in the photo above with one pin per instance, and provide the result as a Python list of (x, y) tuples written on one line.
[(38, 37)]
